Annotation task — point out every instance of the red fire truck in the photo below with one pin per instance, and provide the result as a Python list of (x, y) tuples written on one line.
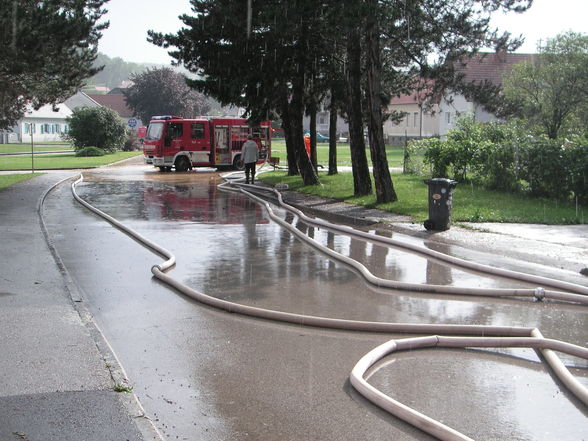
[(172, 141)]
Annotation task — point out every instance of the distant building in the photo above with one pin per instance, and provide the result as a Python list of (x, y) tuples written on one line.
[(45, 124), (116, 101), (481, 67), (421, 119), (435, 118)]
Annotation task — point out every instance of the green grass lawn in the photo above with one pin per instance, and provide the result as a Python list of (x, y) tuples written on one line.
[(41, 147), (8, 180), (395, 154), (62, 161), (470, 204)]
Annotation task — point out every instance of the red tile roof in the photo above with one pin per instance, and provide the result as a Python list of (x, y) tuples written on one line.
[(114, 102), (490, 66)]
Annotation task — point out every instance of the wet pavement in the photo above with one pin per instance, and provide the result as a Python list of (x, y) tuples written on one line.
[(54, 382), (205, 374)]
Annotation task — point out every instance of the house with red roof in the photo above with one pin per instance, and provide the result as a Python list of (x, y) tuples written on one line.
[(481, 67), (421, 119), (116, 101), (426, 119)]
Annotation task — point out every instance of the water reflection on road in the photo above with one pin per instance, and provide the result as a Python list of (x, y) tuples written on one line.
[(226, 246)]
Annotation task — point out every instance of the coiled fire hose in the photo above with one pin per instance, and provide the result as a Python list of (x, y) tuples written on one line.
[(469, 335)]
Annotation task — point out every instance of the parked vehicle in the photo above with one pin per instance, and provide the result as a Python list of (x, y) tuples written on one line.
[(172, 141), (319, 136)]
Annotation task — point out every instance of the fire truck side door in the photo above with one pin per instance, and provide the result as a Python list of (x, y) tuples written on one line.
[(199, 142), (221, 145)]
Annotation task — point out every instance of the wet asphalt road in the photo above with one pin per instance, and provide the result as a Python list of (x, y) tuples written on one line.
[(203, 374)]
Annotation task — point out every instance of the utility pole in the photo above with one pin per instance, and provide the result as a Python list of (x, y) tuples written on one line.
[(31, 128)]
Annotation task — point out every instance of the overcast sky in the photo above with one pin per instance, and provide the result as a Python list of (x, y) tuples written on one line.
[(130, 20)]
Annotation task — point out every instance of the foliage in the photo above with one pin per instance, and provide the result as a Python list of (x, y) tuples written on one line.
[(96, 126), (115, 71), (504, 157), (471, 202), (286, 56), (162, 91), (551, 92), (47, 49), (132, 142), (90, 151)]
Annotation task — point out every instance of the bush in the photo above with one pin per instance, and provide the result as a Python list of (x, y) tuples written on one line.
[(96, 126), (131, 143), (504, 157), (90, 151)]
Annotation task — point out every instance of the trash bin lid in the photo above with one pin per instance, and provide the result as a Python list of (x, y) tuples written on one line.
[(441, 181)]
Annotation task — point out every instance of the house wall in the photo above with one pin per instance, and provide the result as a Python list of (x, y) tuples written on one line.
[(46, 124), (416, 124), (44, 129), (455, 105)]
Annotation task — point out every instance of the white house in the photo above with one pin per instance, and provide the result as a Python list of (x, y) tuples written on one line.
[(46, 124)]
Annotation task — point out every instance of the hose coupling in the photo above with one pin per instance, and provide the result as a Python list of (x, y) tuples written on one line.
[(539, 294)]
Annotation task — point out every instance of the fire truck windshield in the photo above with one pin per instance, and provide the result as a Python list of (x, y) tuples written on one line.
[(154, 131)]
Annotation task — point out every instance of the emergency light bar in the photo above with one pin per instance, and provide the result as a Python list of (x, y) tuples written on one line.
[(165, 117)]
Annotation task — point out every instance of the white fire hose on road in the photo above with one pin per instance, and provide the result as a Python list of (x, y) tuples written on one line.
[(469, 335)]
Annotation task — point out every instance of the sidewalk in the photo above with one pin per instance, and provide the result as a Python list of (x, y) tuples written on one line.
[(56, 373)]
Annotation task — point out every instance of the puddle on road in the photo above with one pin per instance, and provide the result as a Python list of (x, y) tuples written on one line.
[(226, 247)]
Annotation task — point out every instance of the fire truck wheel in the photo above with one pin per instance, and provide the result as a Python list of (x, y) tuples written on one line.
[(182, 164), (238, 163)]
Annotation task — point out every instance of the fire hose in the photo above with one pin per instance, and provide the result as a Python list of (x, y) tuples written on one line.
[(469, 335)]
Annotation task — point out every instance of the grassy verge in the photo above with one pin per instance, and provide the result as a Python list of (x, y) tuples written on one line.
[(470, 204), (395, 154), (62, 161), (8, 180), (37, 147)]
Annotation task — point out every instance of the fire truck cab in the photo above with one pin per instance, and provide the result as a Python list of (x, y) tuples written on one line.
[(172, 141)]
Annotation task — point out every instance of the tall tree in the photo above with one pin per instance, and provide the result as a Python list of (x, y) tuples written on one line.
[(409, 39), (253, 58), (362, 184), (47, 50), (164, 92), (382, 179), (551, 92)]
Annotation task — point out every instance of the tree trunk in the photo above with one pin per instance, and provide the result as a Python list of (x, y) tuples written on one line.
[(290, 150), (362, 184), (333, 134), (309, 176), (382, 179), (313, 153)]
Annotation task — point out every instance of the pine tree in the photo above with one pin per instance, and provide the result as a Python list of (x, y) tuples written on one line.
[(47, 49)]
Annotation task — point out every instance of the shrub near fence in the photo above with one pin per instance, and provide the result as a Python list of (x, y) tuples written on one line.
[(502, 157)]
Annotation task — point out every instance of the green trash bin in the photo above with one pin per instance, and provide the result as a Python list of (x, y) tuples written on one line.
[(440, 202)]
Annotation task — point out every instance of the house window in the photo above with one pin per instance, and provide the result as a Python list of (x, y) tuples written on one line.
[(416, 119), (448, 117), (322, 120)]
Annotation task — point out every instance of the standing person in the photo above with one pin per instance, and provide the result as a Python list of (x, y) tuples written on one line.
[(250, 156)]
